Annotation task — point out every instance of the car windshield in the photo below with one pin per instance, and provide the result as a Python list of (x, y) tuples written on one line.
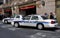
[(11, 17), (44, 17), (26, 18)]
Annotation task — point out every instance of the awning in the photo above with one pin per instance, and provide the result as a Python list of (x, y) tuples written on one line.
[(7, 10), (27, 7)]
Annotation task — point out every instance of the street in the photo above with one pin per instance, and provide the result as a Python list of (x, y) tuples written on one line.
[(8, 31)]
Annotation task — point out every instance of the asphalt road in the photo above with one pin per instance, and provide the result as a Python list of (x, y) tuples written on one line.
[(7, 31)]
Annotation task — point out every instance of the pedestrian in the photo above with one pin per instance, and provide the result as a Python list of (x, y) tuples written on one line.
[(51, 15), (46, 15)]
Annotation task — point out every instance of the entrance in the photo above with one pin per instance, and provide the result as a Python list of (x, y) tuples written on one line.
[(28, 10), (7, 12)]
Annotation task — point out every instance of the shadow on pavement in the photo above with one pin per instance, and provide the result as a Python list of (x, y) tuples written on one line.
[(26, 27), (46, 29), (51, 29)]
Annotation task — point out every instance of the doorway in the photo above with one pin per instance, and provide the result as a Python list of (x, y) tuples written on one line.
[(28, 10), (7, 12)]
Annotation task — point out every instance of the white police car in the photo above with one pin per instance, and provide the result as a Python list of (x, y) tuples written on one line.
[(36, 21), (9, 20)]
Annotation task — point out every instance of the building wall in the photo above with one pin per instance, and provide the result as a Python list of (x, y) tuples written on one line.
[(58, 10), (1, 10), (16, 8), (49, 7)]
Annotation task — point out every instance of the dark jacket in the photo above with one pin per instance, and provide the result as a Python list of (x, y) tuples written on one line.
[(51, 17)]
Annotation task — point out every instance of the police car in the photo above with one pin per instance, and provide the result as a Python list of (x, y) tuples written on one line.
[(36, 21), (9, 20)]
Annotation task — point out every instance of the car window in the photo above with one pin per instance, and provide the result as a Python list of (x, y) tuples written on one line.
[(11, 17), (17, 16), (34, 18), (44, 17), (27, 18)]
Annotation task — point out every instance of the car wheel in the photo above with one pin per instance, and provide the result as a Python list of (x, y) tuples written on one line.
[(5, 21), (12, 23), (16, 24), (40, 26)]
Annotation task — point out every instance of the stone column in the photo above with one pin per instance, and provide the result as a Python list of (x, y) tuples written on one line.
[(4, 1), (15, 10)]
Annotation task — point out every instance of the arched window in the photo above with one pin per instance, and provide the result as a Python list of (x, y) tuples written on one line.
[(43, 3)]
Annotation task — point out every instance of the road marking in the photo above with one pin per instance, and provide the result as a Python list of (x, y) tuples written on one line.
[(43, 35), (1, 23), (14, 29), (37, 35), (32, 36), (6, 26), (10, 27), (57, 30)]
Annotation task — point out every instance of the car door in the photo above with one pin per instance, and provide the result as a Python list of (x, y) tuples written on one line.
[(33, 21), (11, 19), (25, 21)]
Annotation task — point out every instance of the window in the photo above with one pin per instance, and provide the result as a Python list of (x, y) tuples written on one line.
[(18, 17), (58, 3), (34, 18), (12, 17), (43, 3), (44, 17), (27, 18), (1, 3), (58, 6)]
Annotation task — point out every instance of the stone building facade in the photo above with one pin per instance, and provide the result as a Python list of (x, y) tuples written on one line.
[(41, 6), (47, 8)]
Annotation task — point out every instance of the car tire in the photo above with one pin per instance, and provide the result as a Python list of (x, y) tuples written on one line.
[(12, 23), (16, 25), (40, 26), (5, 21)]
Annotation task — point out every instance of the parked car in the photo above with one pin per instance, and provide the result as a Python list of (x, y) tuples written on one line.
[(36, 21), (10, 19), (2, 16)]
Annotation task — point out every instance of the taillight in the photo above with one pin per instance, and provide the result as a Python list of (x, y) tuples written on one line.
[(52, 22)]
